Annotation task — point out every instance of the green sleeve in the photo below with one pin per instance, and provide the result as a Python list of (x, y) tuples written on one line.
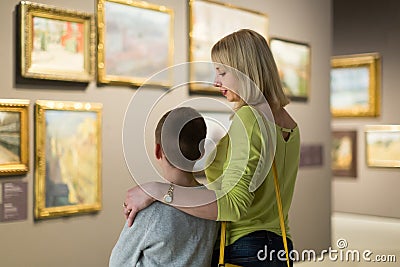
[(234, 197)]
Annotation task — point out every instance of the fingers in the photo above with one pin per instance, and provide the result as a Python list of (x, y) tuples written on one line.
[(131, 217), (129, 214), (126, 212)]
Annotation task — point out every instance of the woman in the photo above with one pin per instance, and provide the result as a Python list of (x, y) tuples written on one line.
[(246, 74)]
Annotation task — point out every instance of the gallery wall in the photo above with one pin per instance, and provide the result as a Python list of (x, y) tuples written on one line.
[(363, 26), (87, 240)]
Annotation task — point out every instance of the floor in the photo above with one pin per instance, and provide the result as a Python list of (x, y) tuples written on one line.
[(376, 237)]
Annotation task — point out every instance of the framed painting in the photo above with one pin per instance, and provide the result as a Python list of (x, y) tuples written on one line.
[(14, 137), (130, 55), (68, 158), (56, 44), (382, 145), (293, 60), (206, 28), (344, 153), (356, 85)]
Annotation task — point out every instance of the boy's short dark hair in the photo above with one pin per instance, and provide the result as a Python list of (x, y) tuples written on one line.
[(181, 130)]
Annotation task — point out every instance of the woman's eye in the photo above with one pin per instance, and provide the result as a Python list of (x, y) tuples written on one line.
[(222, 74)]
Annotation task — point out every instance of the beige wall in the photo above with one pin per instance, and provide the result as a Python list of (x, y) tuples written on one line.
[(88, 239), (375, 190)]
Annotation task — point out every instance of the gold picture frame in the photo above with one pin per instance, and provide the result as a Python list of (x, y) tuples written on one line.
[(356, 85), (14, 136), (382, 145), (68, 158), (206, 27), (130, 55), (56, 43)]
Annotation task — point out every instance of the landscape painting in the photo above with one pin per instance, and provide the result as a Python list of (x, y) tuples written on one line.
[(68, 150), (383, 145), (135, 42), (293, 60), (57, 44), (355, 85), (10, 139), (14, 137), (344, 153)]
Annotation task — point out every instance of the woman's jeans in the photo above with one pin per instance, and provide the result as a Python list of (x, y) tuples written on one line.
[(261, 248)]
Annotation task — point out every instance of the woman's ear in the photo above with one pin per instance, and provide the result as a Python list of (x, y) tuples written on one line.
[(158, 151)]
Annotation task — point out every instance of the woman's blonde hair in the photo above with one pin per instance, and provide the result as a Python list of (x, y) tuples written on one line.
[(248, 52)]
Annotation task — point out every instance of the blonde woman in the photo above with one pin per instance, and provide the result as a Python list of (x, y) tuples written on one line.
[(241, 187)]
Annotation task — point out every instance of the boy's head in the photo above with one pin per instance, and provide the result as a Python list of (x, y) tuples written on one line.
[(181, 133)]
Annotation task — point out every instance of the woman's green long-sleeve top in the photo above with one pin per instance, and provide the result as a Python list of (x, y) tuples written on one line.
[(236, 161)]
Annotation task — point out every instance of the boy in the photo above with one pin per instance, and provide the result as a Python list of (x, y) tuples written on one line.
[(161, 234)]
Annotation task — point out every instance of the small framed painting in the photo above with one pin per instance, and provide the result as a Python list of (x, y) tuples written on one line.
[(383, 145), (14, 137), (206, 28), (135, 42), (293, 60), (68, 158), (356, 85), (56, 44), (344, 153)]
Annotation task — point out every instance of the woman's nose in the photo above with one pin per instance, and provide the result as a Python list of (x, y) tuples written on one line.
[(217, 83)]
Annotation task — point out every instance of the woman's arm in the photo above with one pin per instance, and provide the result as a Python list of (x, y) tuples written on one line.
[(194, 201)]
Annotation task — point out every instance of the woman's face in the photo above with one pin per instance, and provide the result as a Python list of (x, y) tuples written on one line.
[(227, 83)]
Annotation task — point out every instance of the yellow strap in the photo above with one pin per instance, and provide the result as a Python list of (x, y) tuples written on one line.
[(281, 220), (222, 244)]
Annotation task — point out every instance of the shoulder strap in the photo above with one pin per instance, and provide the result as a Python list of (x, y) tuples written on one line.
[(222, 244), (221, 262), (281, 222), (279, 203)]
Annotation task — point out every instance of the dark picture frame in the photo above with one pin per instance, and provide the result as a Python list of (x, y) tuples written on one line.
[(293, 60), (344, 153)]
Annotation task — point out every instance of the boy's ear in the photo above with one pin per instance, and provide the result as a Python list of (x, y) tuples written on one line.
[(158, 151)]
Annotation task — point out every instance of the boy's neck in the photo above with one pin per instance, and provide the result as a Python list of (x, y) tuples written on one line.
[(179, 177)]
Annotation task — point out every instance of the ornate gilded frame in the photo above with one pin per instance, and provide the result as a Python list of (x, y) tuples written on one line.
[(136, 63), (207, 28), (68, 158), (68, 58), (356, 85), (382, 145), (16, 129)]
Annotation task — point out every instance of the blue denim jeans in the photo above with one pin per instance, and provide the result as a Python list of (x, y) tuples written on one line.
[(257, 249)]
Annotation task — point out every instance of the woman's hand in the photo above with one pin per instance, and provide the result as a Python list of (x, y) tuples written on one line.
[(136, 200)]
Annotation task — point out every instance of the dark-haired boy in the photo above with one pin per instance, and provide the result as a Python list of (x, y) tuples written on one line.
[(162, 235)]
